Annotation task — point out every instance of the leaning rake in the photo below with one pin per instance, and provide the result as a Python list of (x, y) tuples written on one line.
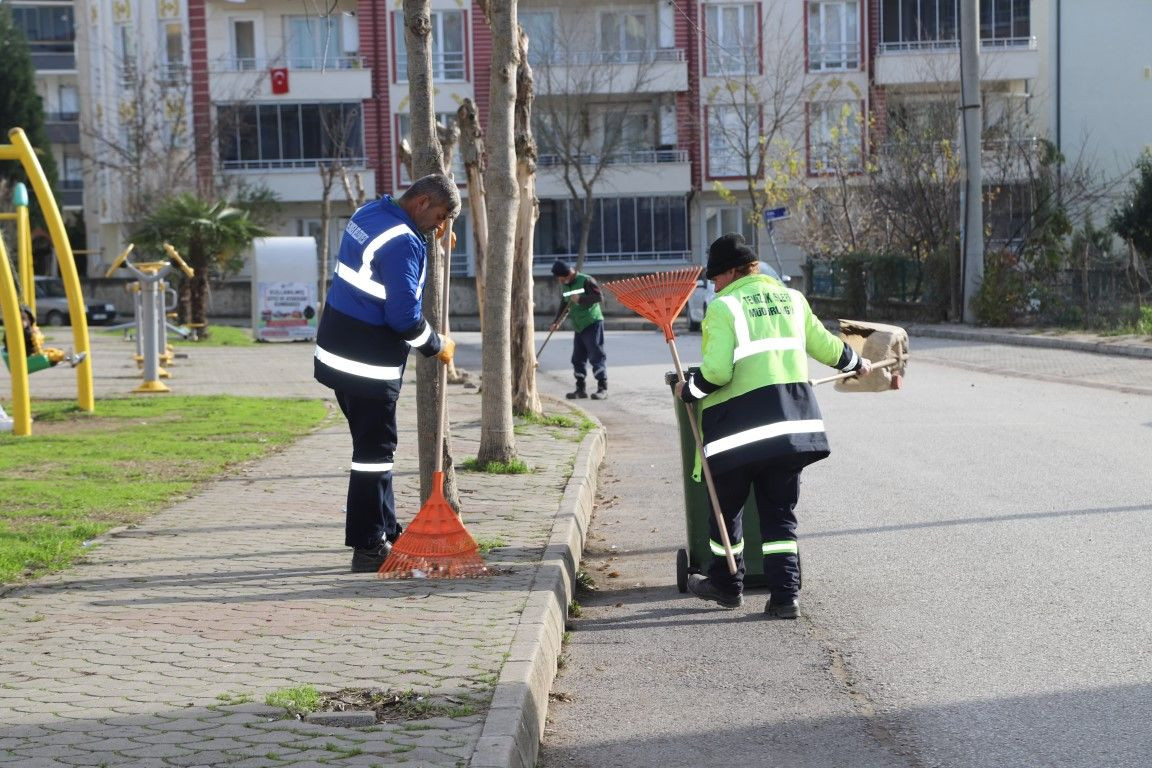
[(659, 298)]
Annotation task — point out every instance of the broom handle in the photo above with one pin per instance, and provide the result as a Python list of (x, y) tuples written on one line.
[(559, 320), (885, 363), (704, 464), (442, 401)]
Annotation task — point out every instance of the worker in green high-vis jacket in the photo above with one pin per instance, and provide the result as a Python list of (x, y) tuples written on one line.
[(759, 418), (581, 297)]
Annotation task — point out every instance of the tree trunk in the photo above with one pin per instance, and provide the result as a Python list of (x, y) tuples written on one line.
[(525, 399), (472, 150), (428, 157), (497, 439)]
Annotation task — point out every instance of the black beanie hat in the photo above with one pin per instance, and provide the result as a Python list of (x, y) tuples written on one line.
[(560, 269), (726, 252)]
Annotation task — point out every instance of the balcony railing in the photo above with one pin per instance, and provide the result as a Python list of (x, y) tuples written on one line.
[(829, 57), (593, 58), (540, 263), (632, 157), (288, 165), (994, 43), (446, 65), (312, 64)]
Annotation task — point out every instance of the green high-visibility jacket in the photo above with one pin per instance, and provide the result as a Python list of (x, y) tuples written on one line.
[(756, 402), (582, 297)]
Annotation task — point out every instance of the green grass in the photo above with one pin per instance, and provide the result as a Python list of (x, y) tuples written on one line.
[(297, 700), (487, 544), (80, 474), (218, 336), (513, 467)]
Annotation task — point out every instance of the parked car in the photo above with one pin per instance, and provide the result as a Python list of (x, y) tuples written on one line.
[(705, 292), (52, 305)]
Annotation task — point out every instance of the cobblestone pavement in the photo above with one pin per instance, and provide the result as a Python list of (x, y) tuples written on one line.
[(160, 647)]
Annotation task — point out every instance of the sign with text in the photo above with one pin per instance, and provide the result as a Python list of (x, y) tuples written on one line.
[(775, 214), (284, 288)]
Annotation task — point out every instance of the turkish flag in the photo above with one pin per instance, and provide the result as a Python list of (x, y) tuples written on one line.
[(279, 77)]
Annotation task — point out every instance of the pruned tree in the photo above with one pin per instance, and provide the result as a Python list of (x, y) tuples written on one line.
[(428, 156), (588, 116), (497, 438), (472, 153), (525, 399)]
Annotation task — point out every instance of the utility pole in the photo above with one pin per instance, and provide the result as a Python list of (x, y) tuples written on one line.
[(972, 207)]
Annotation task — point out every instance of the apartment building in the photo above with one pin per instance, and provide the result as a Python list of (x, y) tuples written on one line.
[(656, 109)]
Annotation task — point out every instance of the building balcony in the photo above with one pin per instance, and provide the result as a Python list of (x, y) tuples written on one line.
[(662, 70), (62, 127), (638, 172), (294, 181), (345, 78), (70, 194), (934, 61)]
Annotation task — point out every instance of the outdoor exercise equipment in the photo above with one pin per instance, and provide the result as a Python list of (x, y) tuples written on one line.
[(20, 150), (151, 322), (436, 545), (660, 297)]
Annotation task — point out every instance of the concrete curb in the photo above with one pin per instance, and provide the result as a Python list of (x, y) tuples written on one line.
[(515, 723), (1119, 346)]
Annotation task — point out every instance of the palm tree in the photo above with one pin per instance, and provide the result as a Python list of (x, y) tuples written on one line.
[(209, 235)]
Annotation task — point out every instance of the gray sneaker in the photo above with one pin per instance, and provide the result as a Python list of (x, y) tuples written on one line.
[(704, 589)]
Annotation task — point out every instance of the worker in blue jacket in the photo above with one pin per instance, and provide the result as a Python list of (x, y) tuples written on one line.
[(372, 318)]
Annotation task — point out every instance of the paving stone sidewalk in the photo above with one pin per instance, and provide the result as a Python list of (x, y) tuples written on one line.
[(160, 648)]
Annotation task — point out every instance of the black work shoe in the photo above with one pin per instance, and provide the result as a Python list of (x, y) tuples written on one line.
[(704, 589), (579, 394), (789, 609), (600, 394), (369, 559)]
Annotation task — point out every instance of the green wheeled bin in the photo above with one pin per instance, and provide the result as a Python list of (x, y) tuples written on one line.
[(696, 557)]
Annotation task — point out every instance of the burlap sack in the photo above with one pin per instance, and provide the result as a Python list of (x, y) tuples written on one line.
[(875, 341)]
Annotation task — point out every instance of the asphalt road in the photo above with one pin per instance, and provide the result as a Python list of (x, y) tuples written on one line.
[(976, 578)]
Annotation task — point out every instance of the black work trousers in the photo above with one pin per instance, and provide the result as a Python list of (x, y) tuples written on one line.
[(588, 348), (371, 509), (777, 489)]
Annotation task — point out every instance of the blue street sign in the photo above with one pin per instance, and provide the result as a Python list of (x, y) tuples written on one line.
[(775, 214)]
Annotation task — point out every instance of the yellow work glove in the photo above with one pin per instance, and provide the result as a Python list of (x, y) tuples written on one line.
[(447, 350)]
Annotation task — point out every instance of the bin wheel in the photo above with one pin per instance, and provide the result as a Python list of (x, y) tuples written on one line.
[(682, 570)]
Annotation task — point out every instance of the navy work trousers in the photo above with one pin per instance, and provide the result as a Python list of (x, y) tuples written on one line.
[(371, 509), (588, 347), (777, 490)]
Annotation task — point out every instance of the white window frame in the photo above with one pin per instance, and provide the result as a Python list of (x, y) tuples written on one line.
[(68, 102), (831, 123), (404, 121), (725, 152), (833, 38), (732, 51), (237, 63), (619, 50), (174, 67), (721, 219), (325, 38), (541, 29)]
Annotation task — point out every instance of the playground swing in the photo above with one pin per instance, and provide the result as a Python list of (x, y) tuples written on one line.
[(38, 360)]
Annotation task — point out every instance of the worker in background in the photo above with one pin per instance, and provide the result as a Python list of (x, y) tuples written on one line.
[(372, 318), (759, 418), (580, 296)]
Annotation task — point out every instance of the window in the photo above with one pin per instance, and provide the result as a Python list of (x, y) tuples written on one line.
[(624, 229), (835, 136), (72, 172), (727, 218), (623, 36), (314, 42), (833, 35), (51, 34), (125, 36), (69, 103), (732, 136), (447, 46), (289, 135), (540, 26), (732, 38), (244, 44), (172, 35), (626, 132), (914, 24)]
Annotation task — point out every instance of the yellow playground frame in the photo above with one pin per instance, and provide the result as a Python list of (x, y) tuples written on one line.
[(22, 151)]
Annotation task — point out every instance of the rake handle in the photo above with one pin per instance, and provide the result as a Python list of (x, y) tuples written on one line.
[(442, 394), (704, 465), (885, 363), (559, 320)]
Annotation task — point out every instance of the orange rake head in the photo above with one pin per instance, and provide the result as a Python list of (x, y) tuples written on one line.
[(658, 297), (435, 545)]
